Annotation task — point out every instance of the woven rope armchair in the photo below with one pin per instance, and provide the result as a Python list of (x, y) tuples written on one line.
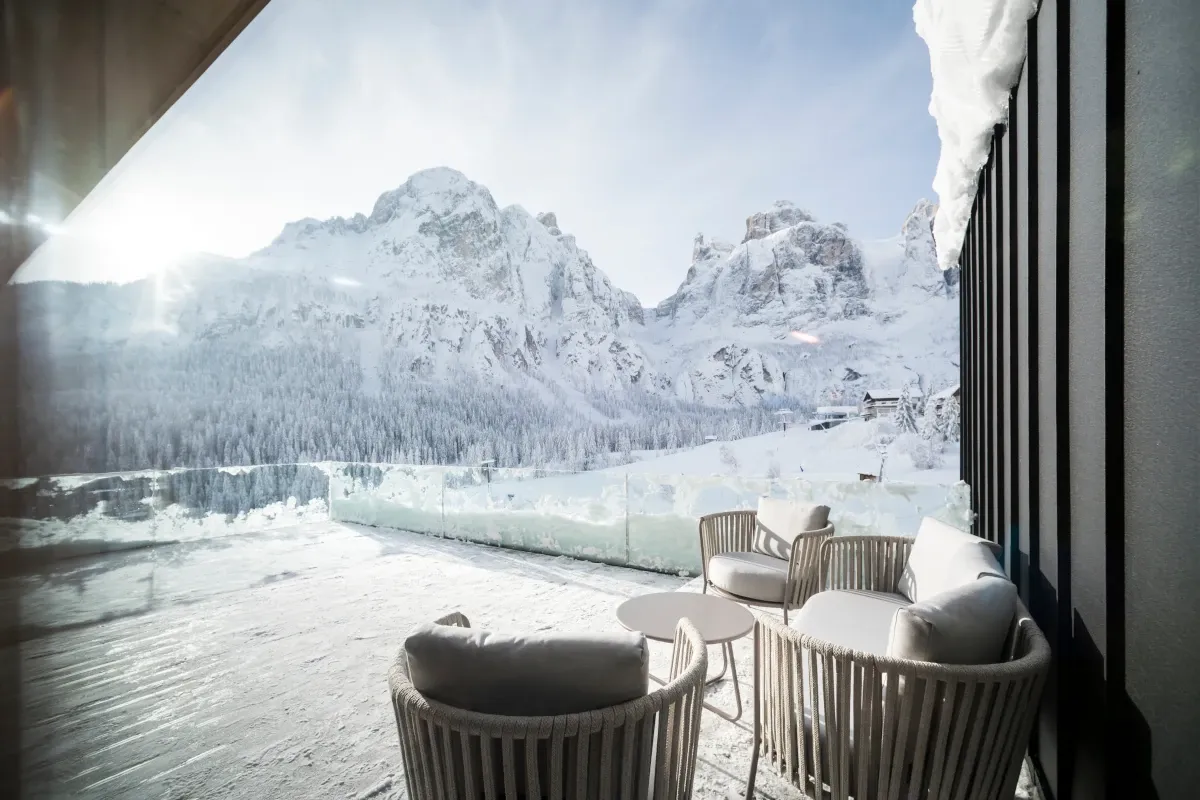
[(644, 747), (840, 723), (734, 532)]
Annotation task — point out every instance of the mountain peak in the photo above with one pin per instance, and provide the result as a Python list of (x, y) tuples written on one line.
[(440, 190), (436, 180), (784, 214)]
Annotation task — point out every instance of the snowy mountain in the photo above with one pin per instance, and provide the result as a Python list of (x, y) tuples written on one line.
[(877, 312), (441, 293), (437, 278)]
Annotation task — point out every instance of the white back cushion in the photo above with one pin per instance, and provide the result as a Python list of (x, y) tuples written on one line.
[(942, 558), (967, 624), (779, 522)]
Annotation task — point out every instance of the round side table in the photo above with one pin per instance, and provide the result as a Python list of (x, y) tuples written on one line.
[(719, 621)]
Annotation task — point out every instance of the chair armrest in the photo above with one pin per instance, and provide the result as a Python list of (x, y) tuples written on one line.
[(689, 649), (867, 563), (726, 532), (804, 566)]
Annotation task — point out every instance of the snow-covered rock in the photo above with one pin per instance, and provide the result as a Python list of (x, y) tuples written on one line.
[(783, 215), (550, 220), (873, 311)]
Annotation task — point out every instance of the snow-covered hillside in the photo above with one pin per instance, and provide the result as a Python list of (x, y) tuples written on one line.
[(838, 454)]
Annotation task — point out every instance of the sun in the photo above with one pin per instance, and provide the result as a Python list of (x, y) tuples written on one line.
[(131, 240)]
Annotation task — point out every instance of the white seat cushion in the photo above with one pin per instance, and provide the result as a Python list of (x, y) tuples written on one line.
[(529, 674), (856, 619), (964, 625), (751, 575), (943, 558), (780, 521)]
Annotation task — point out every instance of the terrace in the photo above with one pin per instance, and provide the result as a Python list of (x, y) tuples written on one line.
[(185, 647)]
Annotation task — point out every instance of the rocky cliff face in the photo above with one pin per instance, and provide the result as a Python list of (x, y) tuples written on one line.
[(787, 266), (868, 311)]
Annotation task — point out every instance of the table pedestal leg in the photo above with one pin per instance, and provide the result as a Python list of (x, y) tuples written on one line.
[(724, 666)]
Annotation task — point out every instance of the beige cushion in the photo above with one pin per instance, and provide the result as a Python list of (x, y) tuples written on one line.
[(751, 575), (526, 675), (780, 521), (942, 558), (856, 619), (964, 625)]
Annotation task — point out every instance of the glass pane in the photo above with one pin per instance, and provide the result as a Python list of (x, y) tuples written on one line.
[(664, 514), (388, 496), (576, 514), (197, 504)]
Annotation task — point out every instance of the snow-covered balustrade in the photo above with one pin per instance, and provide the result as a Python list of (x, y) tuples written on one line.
[(82, 514), (620, 518), (610, 516)]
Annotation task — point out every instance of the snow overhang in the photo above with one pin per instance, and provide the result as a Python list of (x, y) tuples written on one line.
[(976, 51)]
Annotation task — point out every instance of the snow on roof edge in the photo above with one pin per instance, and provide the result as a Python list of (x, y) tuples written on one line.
[(976, 51)]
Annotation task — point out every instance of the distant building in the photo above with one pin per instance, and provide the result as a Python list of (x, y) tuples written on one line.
[(879, 403), (827, 417), (835, 412), (941, 397)]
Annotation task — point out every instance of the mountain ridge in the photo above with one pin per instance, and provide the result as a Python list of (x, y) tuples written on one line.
[(439, 277)]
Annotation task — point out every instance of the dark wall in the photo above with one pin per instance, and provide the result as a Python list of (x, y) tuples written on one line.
[(1161, 373), (1081, 375)]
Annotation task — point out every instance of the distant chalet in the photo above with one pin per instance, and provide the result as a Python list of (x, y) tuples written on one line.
[(879, 403), (941, 398)]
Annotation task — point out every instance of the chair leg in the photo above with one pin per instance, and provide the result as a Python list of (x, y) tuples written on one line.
[(785, 608), (755, 742), (753, 768)]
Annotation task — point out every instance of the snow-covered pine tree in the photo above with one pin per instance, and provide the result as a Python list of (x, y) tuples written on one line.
[(932, 424), (951, 415), (624, 446), (906, 410)]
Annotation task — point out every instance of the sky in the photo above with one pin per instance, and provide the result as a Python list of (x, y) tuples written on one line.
[(640, 123)]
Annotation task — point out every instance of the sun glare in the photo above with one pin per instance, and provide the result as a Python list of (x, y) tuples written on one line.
[(133, 243)]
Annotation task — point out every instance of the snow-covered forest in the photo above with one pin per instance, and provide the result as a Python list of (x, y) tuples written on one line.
[(215, 405)]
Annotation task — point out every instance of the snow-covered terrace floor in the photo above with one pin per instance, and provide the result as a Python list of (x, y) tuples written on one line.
[(255, 666)]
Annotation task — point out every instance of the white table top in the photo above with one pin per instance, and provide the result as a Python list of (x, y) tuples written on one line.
[(657, 615)]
